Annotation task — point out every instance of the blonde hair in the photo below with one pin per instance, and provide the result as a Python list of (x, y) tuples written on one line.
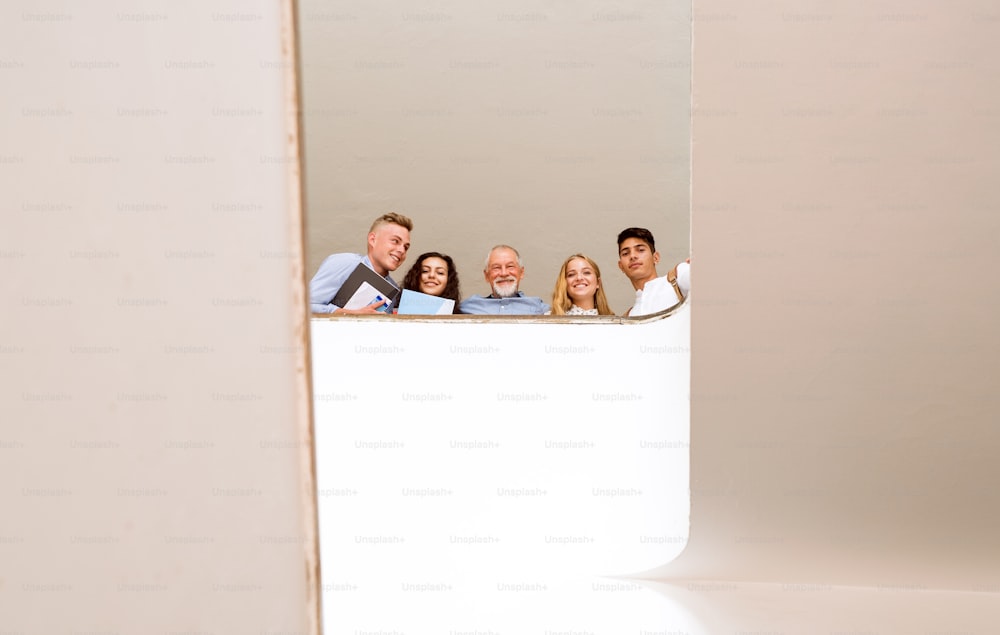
[(395, 219), (560, 298)]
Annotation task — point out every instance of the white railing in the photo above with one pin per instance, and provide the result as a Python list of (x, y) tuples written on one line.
[(465, 463)]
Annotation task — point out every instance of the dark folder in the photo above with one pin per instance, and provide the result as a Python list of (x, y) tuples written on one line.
[(356, 284)]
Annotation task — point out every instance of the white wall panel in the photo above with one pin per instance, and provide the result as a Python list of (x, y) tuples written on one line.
[(508, 461)]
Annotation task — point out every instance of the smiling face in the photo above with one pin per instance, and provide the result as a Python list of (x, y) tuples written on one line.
[(433, 275), (581, 283), (637, 261), (387, 247), (503, 272)]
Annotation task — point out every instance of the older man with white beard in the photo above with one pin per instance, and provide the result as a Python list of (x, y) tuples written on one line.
[(503, 272)]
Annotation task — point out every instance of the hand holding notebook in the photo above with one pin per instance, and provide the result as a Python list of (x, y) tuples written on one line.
[(363, 288)]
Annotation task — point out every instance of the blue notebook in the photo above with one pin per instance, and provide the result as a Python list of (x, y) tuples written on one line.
[(417, 303)]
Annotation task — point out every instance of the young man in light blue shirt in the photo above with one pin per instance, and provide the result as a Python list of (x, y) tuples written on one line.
[(503, 272), (388, 242)]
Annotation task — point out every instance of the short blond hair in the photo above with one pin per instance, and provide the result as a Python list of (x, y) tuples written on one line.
[(395, 219)]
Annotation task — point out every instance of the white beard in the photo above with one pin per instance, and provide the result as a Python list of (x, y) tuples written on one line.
[(505, 289)]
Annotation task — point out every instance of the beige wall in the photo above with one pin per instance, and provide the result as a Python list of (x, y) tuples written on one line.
[(154, 408), (844, 355), (548, 126), (844, 346)]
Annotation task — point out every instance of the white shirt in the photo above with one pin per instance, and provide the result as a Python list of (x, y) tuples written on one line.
[(575, 310), (658, 294)]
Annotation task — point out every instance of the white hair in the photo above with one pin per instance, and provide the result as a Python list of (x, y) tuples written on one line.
[(486, 263)]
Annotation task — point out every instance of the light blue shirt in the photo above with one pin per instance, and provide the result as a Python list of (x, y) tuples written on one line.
[(518, 305), (332, 274)]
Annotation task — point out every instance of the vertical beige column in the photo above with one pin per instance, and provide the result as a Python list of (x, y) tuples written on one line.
[(154, 453), (844, 353)]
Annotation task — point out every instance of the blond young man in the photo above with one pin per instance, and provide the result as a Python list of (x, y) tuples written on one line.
[(388, 242)]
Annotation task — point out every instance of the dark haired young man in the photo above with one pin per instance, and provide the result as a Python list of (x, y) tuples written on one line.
[(637, 258), (388, 242)]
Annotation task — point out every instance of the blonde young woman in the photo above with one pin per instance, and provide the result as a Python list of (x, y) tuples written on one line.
[(579, 289)]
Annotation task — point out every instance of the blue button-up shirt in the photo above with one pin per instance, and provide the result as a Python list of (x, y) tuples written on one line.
[(332, 274), (518, 305)]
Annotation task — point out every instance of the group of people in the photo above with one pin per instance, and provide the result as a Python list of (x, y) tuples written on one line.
[(578, 289)]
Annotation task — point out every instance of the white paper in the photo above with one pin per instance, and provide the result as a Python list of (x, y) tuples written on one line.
[(365, 295)]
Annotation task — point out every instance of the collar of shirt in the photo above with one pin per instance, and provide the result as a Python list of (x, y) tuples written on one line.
[(519, 294)]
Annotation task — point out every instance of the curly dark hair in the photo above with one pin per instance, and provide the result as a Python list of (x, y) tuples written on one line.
[(451, 288)]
